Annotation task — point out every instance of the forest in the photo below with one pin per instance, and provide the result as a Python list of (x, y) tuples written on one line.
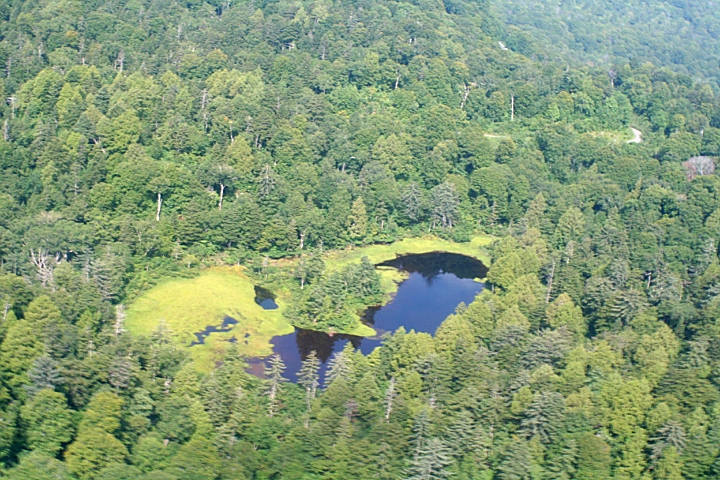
[(680, 34), (148, 140)]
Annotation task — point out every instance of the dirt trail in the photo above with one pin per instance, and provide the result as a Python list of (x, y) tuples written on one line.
[(638, 136)]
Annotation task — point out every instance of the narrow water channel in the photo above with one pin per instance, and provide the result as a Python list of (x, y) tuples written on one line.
[(436, 285)]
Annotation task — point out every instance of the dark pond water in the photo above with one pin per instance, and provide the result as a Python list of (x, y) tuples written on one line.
[(265, 298), (437, 283), (227, 325)]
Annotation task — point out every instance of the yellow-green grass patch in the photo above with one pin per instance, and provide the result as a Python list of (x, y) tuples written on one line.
[(382, 253), (188, 306)]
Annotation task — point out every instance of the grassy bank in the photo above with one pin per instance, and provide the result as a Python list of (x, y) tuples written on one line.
[(381, 253), (190, 305)]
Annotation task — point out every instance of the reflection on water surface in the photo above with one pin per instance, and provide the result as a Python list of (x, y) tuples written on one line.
[(437, 283)]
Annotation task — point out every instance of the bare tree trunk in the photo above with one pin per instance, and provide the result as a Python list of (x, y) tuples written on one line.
[(389, 398), (42, 261), (119, 319), (302, 240), (465, 97), (203, 104), (222, 194), (613, 75), (12, 101), (120, 61), (159, 203), (272, 394), (96, 142), (570, 250), (512, 107)]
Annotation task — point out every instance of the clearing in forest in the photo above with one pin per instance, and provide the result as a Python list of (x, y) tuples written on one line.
[(189, 306)]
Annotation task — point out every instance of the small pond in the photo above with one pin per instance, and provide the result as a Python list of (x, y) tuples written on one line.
[(437, 283), (265, 298), (226, 326)]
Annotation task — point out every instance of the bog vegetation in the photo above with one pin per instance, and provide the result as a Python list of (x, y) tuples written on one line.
[(143, 141)]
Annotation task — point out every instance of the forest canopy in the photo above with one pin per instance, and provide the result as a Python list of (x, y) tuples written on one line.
[(679, 34), (144, 140)]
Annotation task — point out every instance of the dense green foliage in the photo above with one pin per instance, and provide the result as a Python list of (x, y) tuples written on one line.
[(144, 139), (677, 33), (330, 302)]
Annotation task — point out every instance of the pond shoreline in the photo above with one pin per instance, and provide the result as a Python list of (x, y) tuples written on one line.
[(435, 284), (189, 305)]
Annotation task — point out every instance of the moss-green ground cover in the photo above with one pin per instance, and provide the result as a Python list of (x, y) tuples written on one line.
[(188, 306)]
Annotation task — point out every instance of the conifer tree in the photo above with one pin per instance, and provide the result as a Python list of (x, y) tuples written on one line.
[(44, 374), (266, 181), (366, 280), (120, 373), (463, 434), (669, 466), (358, 219), (8, 430), (699, 449), (420, 432), (515, 463), (309, 377), (562, 465), (340, 365), (47, 421), (390, 395), (544, 417), (431, 461), (274, 382), (445, 205), (412, 202), (672, 434)]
